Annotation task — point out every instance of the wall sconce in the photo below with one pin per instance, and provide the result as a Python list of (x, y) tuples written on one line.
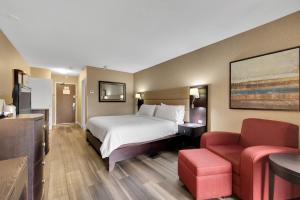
[(138, 96), (140, 101), (195, 93)]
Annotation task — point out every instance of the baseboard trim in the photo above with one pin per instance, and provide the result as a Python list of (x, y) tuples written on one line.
[(79, 124)]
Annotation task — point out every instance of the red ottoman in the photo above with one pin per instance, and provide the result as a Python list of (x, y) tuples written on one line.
[(205, 174)]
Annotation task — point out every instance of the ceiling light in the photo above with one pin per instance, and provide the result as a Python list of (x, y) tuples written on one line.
[(63, 71)]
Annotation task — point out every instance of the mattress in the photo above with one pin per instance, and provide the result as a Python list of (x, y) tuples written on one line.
[(115, 131)]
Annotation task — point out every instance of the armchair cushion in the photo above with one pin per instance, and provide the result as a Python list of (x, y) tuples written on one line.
[(226, 149), (219, 138), (232, 153)]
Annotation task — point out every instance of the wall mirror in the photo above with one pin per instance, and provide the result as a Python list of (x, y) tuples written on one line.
[(112, 91)]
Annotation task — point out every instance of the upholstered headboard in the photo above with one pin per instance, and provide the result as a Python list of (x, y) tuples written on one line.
[(174, 96)]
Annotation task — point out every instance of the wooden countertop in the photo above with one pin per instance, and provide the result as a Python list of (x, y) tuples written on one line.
[(13, 176), (26, 117)]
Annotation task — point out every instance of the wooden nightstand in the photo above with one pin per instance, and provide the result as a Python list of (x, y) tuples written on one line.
[(190, 134)]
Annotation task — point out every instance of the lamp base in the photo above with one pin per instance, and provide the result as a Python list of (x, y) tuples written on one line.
[(140, 103)]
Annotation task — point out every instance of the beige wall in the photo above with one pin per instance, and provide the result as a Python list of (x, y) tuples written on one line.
[(10, 59), (94, 107), (40, 73), (63, 79), (210, 65)]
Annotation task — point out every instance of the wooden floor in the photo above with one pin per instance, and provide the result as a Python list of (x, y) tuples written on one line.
[(74, 170)]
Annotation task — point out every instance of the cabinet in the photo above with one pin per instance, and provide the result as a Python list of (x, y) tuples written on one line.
[(190, 134), (24, 136), (45, 112)]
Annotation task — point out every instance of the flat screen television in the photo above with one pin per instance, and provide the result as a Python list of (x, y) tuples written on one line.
[(22, 99)]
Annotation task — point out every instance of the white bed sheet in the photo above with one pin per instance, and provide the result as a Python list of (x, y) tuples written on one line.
[(114, 131)]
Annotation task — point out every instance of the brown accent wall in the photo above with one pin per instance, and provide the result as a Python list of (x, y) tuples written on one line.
[(94, 107), (10, 59), (40, 72), (210, 65)]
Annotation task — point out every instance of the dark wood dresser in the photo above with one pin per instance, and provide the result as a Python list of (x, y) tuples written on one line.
[(24, 136), (45, 112)]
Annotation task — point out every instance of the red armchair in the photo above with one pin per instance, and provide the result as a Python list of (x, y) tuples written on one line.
[(248, 153)]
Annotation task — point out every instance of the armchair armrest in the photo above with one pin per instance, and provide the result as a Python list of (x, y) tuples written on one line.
[(254, 170), (219, 138)]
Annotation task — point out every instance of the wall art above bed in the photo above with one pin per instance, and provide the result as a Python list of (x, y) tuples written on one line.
[(266, 82)]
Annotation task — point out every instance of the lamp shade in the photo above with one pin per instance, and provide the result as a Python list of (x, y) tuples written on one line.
[(194, 92), (138, 96)]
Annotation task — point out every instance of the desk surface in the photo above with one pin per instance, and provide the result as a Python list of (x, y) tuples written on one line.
[(289, 162), (26, 117), (192, 125), (10, 171)]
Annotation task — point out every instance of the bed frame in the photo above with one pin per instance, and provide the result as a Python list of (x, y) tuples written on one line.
[(131, 150), (175, 96)]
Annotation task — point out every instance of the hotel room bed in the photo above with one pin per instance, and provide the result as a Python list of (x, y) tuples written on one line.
[(117, 138), (115, 131)]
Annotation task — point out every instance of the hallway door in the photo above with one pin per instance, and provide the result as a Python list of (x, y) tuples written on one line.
[(65, 103)]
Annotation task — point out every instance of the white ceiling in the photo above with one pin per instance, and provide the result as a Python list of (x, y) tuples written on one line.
[(127, 35)]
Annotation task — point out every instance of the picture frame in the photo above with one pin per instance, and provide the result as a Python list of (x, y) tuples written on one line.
[(266, 82), (112, 91)]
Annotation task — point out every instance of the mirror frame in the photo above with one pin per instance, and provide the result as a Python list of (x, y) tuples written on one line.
[(100, 83)]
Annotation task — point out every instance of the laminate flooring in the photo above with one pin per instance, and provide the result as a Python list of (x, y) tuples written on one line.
[(74, 170)]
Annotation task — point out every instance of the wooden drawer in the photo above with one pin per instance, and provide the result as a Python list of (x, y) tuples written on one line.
[(182, 130), (199, 131), (39, 151), (38, 191), (39, 130), (38, 172), (47, 140)]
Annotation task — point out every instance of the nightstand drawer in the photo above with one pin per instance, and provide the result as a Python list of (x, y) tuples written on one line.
[(182, 130)]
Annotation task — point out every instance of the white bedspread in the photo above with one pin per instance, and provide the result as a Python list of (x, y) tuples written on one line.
[(114, 131)]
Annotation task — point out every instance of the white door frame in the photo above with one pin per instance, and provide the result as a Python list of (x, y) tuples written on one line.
[(83, 104)]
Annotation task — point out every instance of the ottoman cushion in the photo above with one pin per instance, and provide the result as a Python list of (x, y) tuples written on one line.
[(205, 174), (203, 162)]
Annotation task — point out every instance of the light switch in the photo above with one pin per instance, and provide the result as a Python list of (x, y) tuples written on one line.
[(92, 92)]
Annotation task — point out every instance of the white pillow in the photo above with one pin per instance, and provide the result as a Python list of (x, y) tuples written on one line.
[(180, 111), (170, 112), (147, 110), (156, 107)]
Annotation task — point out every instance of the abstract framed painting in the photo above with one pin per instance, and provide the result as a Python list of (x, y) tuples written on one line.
[(266, 82)]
